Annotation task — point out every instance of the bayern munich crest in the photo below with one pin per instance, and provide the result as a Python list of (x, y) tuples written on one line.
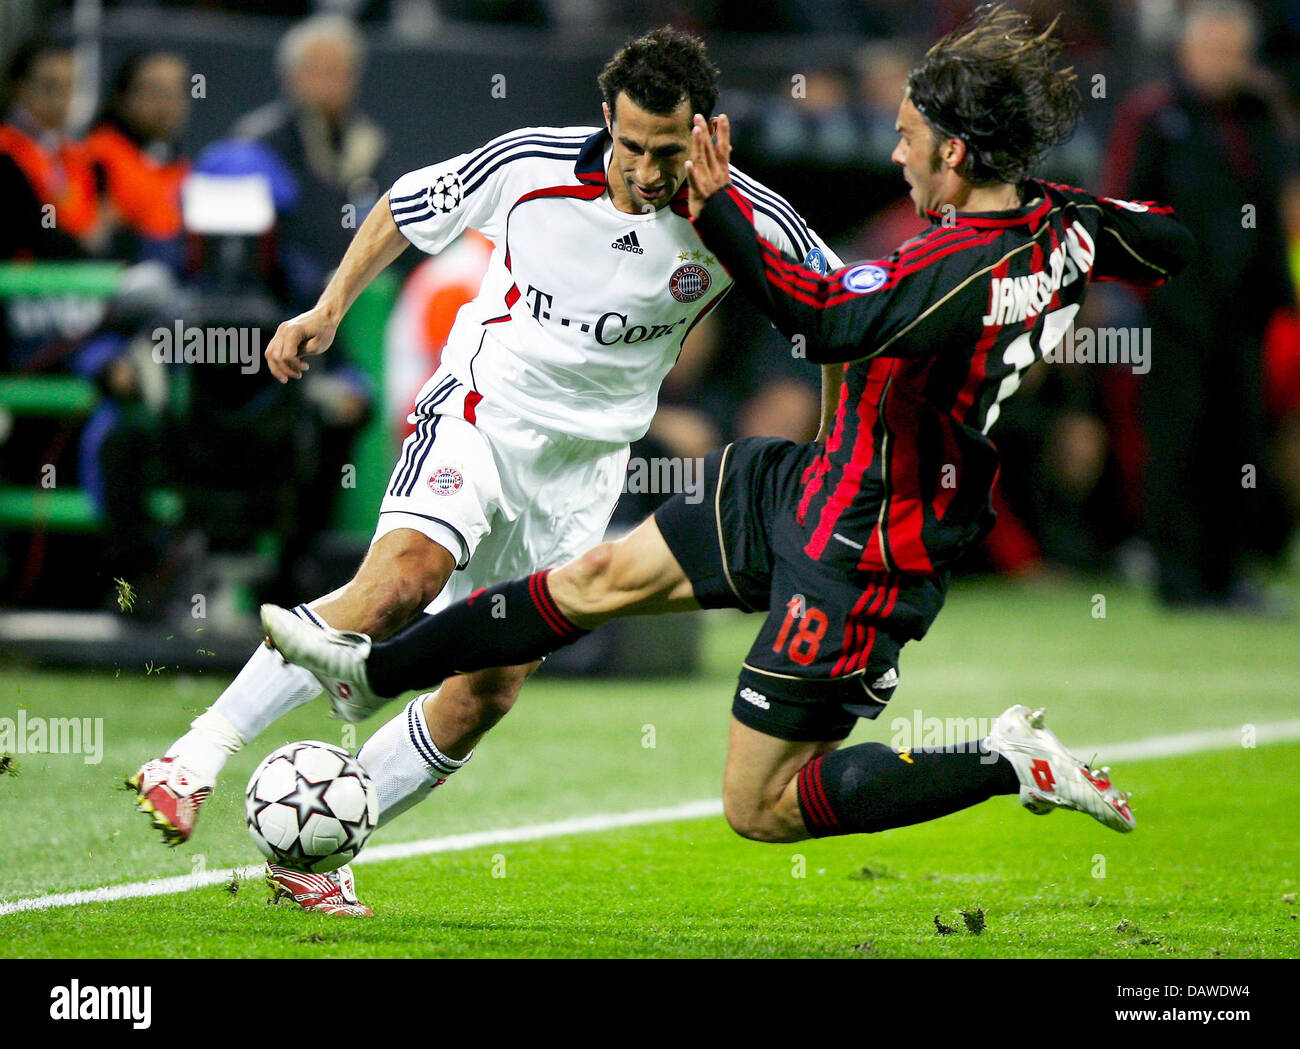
[(689, 282), (446, 480)]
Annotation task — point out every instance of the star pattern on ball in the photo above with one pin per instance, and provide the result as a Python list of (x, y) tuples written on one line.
[(308, 799), (279, 819), (357, 835)]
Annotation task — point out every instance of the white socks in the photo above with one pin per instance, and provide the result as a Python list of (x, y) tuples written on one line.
[(403, 761), (266, 689), (207, 746)]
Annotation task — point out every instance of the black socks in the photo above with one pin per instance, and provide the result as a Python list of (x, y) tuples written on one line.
[(872, 787), (502, 626)]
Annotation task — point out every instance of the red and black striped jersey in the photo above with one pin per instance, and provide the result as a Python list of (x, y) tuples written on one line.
[(934, 337)]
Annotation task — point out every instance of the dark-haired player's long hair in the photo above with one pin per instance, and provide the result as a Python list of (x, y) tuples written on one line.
[(996, 83)]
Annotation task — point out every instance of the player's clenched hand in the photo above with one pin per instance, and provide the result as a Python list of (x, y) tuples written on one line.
[(302, 336), (707, 170)]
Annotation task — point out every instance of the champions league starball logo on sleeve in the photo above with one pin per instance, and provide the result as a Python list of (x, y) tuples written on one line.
[(445, 193), (689, 282)]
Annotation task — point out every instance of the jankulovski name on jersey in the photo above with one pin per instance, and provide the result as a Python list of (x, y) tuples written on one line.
[(584, 308), (934, 338)]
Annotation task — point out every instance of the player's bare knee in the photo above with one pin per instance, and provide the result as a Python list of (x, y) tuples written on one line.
[(755, 827), (493, 706), (392, 603), (397, 585), (750, 820)]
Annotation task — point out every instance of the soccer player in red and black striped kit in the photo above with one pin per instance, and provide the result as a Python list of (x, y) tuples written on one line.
[(845, 543)]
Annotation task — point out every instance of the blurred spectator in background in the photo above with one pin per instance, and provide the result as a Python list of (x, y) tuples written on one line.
[(809, 141), (335, 153), (880, 72), (1282, 363), (133, 145), (172, 420), (683, 424), (1209, 142), (46, 178), (813, 122), (336, 159)]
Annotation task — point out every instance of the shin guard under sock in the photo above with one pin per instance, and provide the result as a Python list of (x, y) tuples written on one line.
[(872, 787), (505, 625)]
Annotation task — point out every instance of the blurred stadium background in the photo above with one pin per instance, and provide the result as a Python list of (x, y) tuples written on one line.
[(188, 493)]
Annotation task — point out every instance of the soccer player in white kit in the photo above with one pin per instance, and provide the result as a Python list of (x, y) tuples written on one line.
[(521, 436)]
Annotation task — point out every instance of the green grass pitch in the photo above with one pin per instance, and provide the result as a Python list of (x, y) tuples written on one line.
[(1208, 873)]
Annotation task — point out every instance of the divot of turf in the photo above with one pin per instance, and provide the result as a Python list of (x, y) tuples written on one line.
[(974, 920)]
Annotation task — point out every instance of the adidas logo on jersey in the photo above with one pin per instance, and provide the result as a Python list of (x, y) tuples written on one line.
[(628, 242), (757, 698)]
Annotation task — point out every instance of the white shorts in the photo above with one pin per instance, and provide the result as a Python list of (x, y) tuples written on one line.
[(507, 498)]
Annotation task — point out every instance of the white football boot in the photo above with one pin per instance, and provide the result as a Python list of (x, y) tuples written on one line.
[(336, 657), (1051, 777)]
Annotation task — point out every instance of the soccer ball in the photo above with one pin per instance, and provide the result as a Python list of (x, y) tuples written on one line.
[(310, 806)]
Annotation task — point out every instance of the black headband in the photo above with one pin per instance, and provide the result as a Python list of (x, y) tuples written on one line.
[(927, 111), (974, 152)]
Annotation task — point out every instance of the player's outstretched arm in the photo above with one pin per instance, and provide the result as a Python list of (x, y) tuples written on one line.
[(708, 173), (836, 323), (1146, 247), (1141, 242), (377, 244)]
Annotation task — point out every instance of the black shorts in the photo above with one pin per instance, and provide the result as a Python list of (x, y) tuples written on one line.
[(827, 653)]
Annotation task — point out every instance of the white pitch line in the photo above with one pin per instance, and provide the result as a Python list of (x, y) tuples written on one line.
[(402, 850), (1193, 742), (1135, 750), (396, 851), (130, 891)]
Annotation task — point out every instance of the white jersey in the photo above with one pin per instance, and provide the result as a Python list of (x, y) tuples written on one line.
[(584, 308)]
